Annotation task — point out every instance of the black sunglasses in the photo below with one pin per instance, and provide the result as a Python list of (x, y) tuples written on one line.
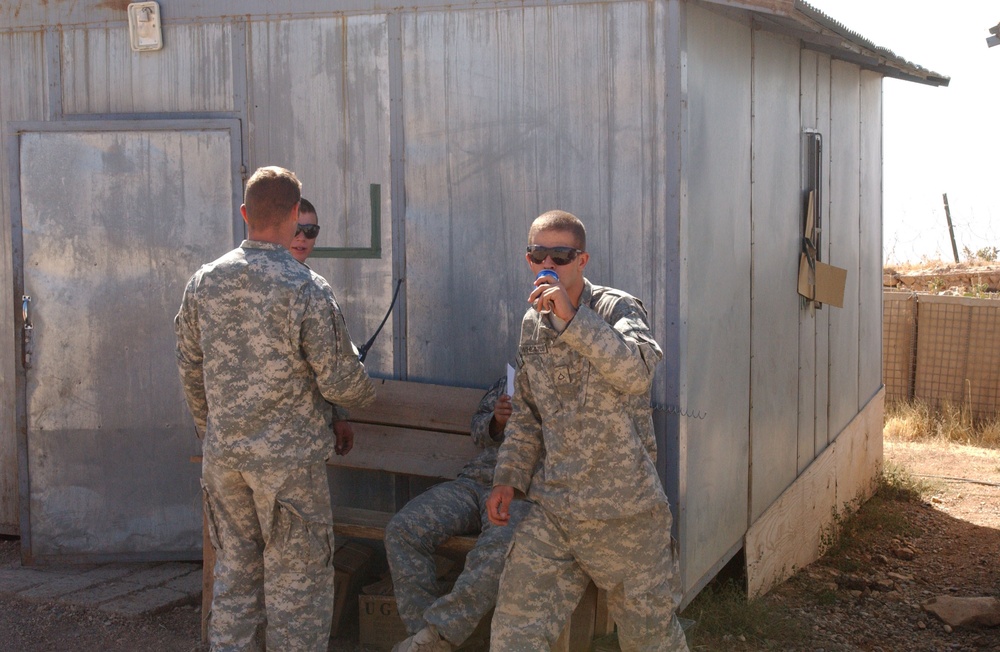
[(559, 255), (310, 231)]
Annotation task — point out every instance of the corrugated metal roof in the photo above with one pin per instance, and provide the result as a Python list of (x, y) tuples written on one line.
[(819, 31), (891, 58)]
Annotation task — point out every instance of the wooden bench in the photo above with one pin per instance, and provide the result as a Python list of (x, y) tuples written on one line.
[(422, 430)]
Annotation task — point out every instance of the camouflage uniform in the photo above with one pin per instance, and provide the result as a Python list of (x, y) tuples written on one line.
[(582, 409), (263, 350), (444, 510)]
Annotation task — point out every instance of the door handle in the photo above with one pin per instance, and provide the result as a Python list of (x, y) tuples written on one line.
[(26, 329)]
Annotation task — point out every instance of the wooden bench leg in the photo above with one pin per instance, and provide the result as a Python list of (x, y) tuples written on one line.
[(589, 620), (207, 576), (604, 624)]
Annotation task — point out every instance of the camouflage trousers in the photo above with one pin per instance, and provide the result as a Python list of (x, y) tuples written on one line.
[(412, 535), (551, 562), (273, 540)]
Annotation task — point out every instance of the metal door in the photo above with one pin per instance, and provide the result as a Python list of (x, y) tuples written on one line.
[(110, 219)]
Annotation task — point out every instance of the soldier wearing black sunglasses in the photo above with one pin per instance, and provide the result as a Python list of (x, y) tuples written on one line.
[(580, 444), (305, 231)]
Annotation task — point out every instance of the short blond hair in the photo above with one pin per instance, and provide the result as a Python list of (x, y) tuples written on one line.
[(560, 221), (270, 194)]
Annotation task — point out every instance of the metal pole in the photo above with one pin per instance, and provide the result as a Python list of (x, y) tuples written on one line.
[(951, 229)]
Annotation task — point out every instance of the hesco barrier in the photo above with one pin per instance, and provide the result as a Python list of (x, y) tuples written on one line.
[(942, 349)]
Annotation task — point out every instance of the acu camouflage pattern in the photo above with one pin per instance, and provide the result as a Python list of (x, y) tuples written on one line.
[(480, 468), (273, 537), (444, 510), (263, 350), (582, 409), (553, 560)]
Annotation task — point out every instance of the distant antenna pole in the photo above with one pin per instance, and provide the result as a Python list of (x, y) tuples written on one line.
[(951, 229)]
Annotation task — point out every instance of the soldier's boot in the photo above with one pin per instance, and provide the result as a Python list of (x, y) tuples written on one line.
[(426, 640)]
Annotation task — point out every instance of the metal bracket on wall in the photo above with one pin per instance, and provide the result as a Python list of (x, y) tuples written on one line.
[(372, 251)]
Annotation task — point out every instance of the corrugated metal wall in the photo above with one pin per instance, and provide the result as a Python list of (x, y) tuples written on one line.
[(842, 230), (814, 324), (319, 105), (496, 133), (870, 233), (716, 292), (22, 97), (473, 122), (101, 74), (777, 237), (751, 343)]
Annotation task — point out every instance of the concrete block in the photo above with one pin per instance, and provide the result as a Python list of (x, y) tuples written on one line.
[(15, 580), (189, 584), (147, 601), (160, 574), (95, 595), (56, 586)]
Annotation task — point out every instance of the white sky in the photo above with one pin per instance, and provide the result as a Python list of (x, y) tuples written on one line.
[(936, 140)]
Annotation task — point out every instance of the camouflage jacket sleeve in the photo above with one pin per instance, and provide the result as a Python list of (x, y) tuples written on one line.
[(190, 358), (484, 416), (328, 349), (522, 446), (622, 347), (340, 414)]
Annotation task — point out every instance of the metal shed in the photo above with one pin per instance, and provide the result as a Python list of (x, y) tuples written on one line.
[(685, 133)]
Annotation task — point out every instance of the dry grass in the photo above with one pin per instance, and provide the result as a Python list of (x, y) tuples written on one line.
[(920, 421), (937, 266)]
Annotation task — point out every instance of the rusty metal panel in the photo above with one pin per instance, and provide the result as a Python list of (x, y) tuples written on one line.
[(497, 133), (841, 230), (112, 220), (22, 97), (101, 73), (716, 293), (777, 238)]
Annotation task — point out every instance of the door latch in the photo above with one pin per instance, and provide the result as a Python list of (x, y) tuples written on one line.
[(26, 330)]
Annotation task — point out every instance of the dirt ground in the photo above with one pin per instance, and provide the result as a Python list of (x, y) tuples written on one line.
[(870, 597), (954, 536)]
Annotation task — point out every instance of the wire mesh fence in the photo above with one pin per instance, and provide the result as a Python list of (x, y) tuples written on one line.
[(942, 349)]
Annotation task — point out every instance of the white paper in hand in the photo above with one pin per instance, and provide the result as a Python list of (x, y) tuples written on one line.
[(510, 380)]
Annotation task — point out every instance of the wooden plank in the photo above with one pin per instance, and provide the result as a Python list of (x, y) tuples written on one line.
[(404, 450), (578, 634), (370, 524), (422, 405), (861, 456), (604, 624), (407, 451), (787, 536), (582, 622)]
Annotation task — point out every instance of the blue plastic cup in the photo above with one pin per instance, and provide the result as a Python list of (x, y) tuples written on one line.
[(553, 278)]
